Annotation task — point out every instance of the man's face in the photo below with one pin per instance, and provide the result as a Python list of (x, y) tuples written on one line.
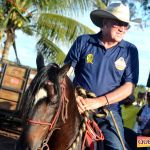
[(116, 30)]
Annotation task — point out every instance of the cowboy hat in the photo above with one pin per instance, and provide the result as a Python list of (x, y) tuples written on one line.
[(116, 11)]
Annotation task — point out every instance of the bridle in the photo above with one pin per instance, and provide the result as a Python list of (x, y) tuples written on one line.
[(63, 106), (88, 126)]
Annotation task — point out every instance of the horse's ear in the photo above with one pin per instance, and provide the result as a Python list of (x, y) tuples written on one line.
[(63, 71), (39, 61)]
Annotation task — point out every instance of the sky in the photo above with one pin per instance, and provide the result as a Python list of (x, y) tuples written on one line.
[(140, 37)]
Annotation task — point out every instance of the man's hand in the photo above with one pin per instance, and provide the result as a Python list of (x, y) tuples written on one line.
[(92, 103), (87, 103), (80, 104)]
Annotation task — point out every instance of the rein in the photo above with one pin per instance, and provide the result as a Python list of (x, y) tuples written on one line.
[(89, 127), (104, 112), (62, 106)]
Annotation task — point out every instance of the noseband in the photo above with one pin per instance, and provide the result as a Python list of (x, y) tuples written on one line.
[(63, 107)]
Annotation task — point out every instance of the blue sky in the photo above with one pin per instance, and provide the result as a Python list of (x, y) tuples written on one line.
[(27, 51)]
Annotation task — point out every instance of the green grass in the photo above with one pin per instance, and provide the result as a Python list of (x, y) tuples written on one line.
[(129, 115)]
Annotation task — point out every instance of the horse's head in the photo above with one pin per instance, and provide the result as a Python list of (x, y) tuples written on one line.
[(45, 116)]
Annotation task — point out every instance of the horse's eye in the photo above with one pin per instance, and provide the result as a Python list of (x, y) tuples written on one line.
[(53, 100), (50, 91)]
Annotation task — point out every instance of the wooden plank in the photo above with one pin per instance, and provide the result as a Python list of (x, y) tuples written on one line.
[(16, 71), (9, 95), (7, 105), (13, 82)]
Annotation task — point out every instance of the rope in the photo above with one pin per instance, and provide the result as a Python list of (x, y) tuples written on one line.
[(82, 92), (103, 112), (117, 129), (92, 131), (115, 124), (65, 102)]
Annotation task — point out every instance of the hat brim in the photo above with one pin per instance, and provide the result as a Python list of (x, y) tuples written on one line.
[(97, 17)]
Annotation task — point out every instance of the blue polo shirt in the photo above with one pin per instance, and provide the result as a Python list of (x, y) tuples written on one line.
[(99, 70)]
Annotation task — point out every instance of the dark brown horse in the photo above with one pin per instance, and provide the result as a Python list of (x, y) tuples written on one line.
[(54, 121)]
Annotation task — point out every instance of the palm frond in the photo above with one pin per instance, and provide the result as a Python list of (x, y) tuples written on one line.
[(28, 30), (100, 4), (60, 28), (62, 6), (50, 51)]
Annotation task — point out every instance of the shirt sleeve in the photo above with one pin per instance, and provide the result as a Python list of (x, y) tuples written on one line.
[(131, 73), (74, 53)]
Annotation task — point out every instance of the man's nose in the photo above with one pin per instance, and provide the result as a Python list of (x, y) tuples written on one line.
[(122, 28)]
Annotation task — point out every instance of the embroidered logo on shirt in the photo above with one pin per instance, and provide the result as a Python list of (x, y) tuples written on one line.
[(120, 64), (89, 58)]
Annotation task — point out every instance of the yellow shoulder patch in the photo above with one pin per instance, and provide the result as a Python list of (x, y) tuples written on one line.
[(89, 58)]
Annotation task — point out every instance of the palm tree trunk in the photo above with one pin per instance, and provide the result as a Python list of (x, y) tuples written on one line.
[(8, 43)]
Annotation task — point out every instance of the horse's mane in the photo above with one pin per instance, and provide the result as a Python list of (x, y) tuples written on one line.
[(37, 83)]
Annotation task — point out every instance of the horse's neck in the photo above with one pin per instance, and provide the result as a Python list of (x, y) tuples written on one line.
[(64, 137)]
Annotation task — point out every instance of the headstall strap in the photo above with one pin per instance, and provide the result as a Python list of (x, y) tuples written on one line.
[(62, 106), (65, 102)]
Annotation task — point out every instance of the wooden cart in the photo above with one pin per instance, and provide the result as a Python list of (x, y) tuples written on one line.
[(14, 80)]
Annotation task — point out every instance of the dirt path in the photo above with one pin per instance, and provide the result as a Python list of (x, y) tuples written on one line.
[(7, 140)]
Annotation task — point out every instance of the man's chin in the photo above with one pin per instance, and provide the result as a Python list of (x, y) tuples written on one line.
[(118, 39)]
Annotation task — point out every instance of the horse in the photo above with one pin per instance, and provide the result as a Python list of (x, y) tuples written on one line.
[(54, 122)]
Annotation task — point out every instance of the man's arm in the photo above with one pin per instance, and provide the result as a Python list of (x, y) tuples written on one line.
[(113, 97), (120, 93)]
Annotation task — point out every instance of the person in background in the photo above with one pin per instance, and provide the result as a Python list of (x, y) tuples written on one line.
[(128, 101), (108, 66), (146, 130), (143, 117)]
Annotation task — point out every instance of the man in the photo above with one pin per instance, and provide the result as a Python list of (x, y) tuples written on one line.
[(108, 66)]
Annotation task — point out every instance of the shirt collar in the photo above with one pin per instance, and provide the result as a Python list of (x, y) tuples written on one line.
[(95, 39)]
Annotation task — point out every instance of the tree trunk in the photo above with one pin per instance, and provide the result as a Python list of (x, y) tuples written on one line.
[(148, 81), (8, 43)]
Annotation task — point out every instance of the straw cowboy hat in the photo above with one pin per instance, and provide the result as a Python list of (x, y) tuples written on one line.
[(113, 11)]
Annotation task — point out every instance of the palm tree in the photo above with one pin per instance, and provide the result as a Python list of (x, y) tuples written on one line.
[(46, 18), (54, 28), (13, 16)]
